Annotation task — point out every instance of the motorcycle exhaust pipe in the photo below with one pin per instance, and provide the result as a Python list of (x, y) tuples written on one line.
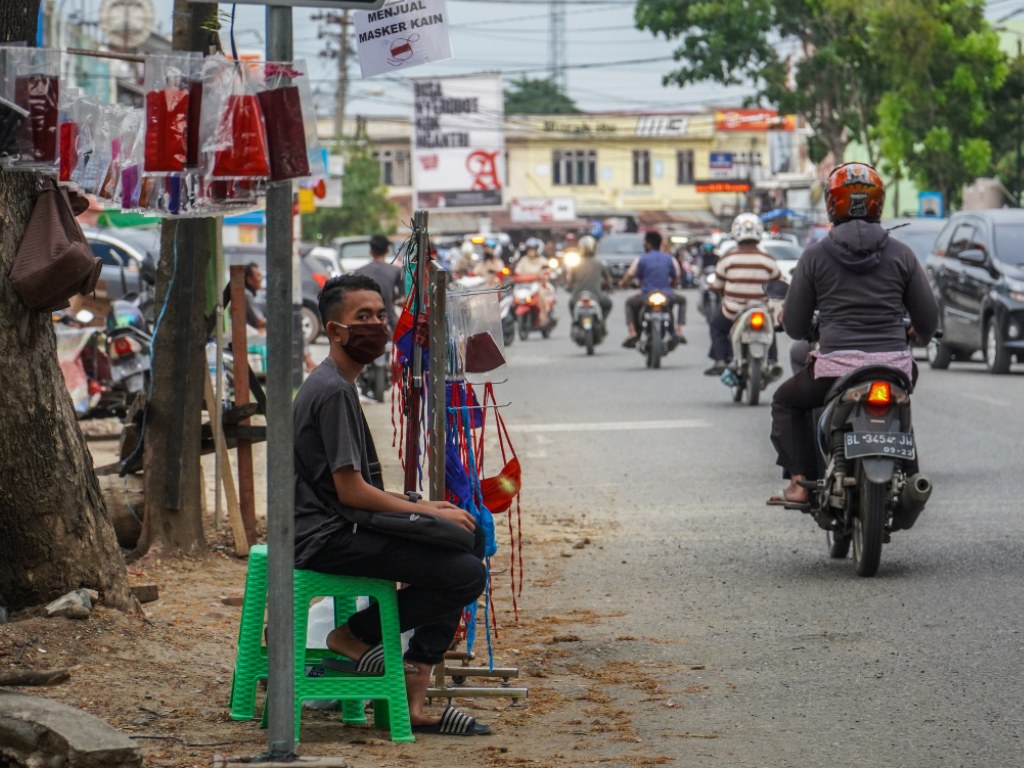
[(911, 503)]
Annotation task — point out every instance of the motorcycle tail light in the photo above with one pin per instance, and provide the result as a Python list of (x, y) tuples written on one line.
[(320, 279), (880, 393), (122, 347), (757, 321), (585, 303), (656, 299)]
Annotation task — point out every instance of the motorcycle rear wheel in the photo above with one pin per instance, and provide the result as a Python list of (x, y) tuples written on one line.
[(588, 340), (654, 350), (524, 327), (868, 526), (754, 372)]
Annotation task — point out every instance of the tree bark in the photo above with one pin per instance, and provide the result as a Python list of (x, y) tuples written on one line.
[(173, 518), (56, 534)]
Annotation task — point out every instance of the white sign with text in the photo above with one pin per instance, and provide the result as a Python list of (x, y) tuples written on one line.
[(402, 34), (458, 142)]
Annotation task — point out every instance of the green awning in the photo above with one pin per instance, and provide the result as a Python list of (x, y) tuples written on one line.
[(125, 219)]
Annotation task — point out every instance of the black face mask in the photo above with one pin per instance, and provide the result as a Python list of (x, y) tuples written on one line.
[(366, 341)]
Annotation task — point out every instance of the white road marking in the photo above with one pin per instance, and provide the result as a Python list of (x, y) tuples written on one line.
[(611, 426)]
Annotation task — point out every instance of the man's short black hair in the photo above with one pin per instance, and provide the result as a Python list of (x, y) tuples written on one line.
[(379, 245), (251, 267), (653, 239), (334, 291)]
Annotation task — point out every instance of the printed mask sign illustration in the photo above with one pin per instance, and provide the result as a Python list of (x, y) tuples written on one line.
[(458, 142), (402, 34)]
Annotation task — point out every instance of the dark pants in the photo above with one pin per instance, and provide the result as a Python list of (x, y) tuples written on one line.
[(719, 326), (604, 300), (441, 582), (635, 305), (792, 421)]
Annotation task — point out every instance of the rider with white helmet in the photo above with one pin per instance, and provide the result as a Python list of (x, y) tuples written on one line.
[(739, 276), (590, 275)]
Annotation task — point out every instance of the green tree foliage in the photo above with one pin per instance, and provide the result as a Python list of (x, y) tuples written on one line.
[(808, 57), (1006, 126), (943, 70), (365, 206), (537, 97)]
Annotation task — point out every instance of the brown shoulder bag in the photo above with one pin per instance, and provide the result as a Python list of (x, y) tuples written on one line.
[(53, 261)]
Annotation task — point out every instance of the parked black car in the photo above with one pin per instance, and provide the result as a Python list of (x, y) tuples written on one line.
[(976, 268), (619, 250)]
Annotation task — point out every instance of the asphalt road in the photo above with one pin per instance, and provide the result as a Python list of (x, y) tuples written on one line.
[(781, 656)]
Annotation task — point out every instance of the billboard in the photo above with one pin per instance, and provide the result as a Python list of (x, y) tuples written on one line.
[(538, 210), (458, 142), (753, 120)]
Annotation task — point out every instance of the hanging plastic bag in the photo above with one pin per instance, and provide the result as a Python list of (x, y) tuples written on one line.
[(67, 131), (12, 118), (484, 351), (87, 117), (233, 135), (131, 156), (32, 82), (168, 90), (286, 120)]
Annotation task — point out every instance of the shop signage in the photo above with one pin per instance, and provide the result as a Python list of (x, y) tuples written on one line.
[(662, 125), (458, 142), (753, 120), (357, 5), (402, 34), (721, 165), (536, 210), (715, 186)]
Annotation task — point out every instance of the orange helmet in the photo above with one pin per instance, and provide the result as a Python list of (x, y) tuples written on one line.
[(854, 191)]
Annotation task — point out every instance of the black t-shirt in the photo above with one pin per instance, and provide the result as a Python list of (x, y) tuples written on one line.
[(329, 435)]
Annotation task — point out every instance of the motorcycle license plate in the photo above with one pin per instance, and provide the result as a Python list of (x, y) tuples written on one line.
[(122, 370), (898, 445), (587, 322)]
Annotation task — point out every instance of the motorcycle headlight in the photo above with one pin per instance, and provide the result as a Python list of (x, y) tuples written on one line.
[(571, 259), (711, 278), (553, 263), (657, 299)]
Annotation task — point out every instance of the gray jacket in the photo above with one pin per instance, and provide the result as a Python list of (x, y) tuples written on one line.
[(862, 282)]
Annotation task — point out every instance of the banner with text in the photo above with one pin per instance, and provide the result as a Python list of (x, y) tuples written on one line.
[(402, 34), (538, 210), (458, 142)]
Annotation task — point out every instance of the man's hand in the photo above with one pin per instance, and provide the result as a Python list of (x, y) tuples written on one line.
[(451, 512)]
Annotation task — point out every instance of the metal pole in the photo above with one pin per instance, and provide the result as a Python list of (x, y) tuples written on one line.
[(1020, 130), (280, 451), (412, 442), (438, 376)]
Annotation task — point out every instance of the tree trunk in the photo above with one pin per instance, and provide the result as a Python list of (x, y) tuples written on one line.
[(56, 534), (173, 474), (173, 519)]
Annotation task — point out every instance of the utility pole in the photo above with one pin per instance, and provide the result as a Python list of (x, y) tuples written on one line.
[(556, 44), (342, 52)]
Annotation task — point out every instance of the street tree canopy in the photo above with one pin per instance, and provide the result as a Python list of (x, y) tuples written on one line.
[(807, 57), (944, 71), (365, 205), (541, 96)]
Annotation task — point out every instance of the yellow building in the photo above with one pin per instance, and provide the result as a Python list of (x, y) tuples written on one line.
[(686, 168)]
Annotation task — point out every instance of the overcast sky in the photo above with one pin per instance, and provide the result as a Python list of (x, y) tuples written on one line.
[(512, 36)]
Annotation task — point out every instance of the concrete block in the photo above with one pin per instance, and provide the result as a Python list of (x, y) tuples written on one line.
[(40, 731)]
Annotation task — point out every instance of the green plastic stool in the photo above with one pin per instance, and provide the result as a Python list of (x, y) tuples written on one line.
[(251, 653), (390, 701)]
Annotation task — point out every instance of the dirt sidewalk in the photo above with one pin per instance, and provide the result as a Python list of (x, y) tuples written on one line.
[(164, 680)]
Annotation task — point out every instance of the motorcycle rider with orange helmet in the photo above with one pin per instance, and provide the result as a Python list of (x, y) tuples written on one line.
[(862, 284)]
